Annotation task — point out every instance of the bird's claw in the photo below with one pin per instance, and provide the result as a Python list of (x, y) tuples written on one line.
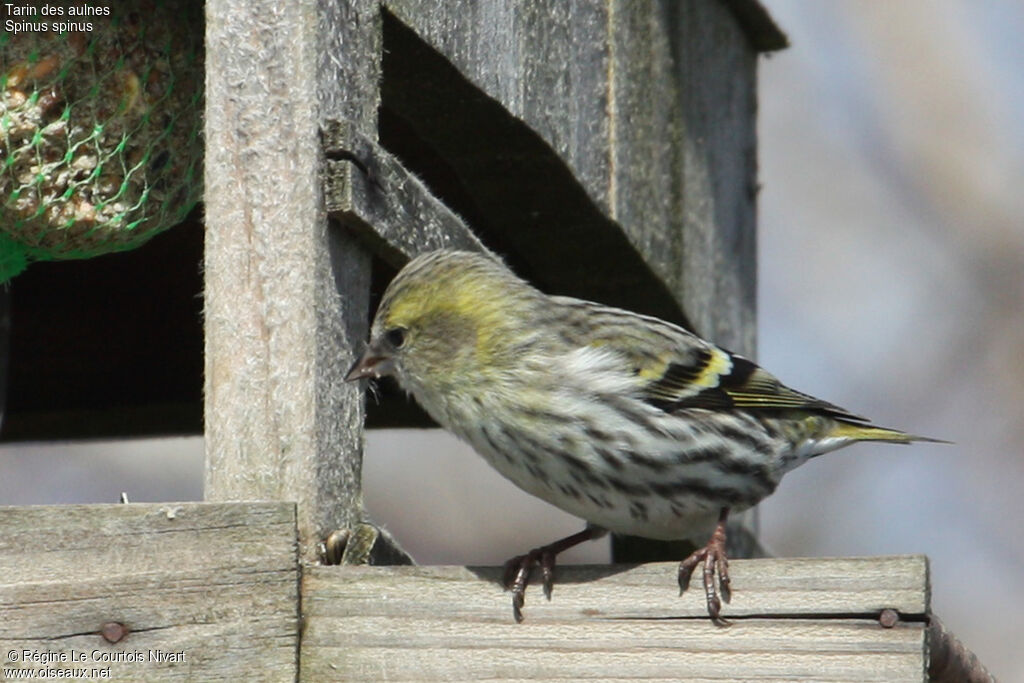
[(713, 560), (517, 570), (517, 576)]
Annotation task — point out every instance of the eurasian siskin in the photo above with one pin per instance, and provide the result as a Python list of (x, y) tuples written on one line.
[(629, 422)]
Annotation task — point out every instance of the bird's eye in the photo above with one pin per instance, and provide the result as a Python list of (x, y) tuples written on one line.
[(395, 337)]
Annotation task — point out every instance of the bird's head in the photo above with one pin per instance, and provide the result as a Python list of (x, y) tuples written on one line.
[(448, 318)]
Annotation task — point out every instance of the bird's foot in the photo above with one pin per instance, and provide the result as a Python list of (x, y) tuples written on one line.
[(519, 568), (517, 576), (714, 560)]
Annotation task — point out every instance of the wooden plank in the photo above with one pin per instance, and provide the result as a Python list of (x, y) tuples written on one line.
[(214, 587), (772, 586), (684, 150), (285, 297), (369, 191), (718, 75), (651, 106), (814, 619), (507, 181), (540, 60)]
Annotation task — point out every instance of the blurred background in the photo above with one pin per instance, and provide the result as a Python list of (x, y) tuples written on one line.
[(891, 282)]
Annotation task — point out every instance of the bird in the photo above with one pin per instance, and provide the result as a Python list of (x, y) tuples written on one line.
[(629, 422)]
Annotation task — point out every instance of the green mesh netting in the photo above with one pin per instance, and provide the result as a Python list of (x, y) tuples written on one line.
[(100, 126)]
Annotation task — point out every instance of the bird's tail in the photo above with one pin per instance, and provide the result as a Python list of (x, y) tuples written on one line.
[(867, 432)]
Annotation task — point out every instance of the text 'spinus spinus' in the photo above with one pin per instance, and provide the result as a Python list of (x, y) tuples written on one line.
[(629, 422)]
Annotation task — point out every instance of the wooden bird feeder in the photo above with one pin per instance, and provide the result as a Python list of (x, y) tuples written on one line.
[(607, 150)]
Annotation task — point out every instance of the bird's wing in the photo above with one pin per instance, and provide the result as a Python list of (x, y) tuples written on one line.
[(676, 370), (722, 380)]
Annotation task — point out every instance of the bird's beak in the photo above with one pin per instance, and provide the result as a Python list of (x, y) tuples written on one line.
[(372, 363)]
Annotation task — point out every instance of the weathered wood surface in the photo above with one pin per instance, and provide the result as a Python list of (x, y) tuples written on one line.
[(521, 198), (285, 297), (791, 620), (215, 582), (373, 194), (652, 106)]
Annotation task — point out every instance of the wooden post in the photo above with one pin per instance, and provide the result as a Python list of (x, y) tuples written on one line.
[(286, 297)]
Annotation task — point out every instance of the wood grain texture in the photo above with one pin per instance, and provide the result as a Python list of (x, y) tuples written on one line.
[(652, 108), (520, 197), (791, 620), (217, 582), (683, 109), (220, 583), (286, 297), (373, 194)]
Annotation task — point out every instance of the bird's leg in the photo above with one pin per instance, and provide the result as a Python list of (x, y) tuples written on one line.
[(714, 559), (517, 570)]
